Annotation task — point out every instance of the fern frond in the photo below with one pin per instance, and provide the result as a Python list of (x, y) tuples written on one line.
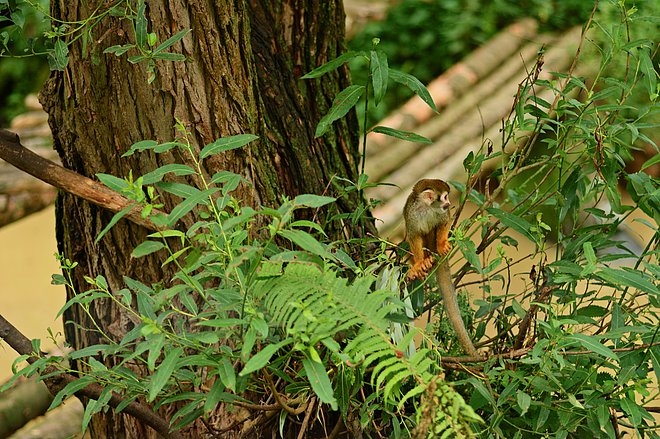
[(444, 414), (312, 305)]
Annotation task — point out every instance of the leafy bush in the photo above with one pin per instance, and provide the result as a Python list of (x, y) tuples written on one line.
[(263, 303), (426, 37), (21, 73)]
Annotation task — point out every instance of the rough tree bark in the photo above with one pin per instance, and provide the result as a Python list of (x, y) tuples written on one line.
[(244, 59)]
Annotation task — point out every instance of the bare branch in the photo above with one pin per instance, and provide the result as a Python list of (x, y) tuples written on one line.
[(56, 382), (13, 152)]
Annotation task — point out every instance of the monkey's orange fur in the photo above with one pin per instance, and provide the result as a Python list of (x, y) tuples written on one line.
[(427, 218)]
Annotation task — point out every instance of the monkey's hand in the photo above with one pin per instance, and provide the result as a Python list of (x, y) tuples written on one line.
[(420, 269), (444, 248)]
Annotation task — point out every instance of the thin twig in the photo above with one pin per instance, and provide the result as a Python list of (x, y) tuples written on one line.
[(280, 400)]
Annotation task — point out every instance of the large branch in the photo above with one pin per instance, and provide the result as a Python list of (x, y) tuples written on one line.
[(56, 382), (24, 159)]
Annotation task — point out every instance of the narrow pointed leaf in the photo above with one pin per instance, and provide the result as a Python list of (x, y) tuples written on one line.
[(164, 372), (592, 344), (344, 101), (413, 84), (225, 144), (157, 174), (318, 378), (515, 222), (171, 40), (379, 74), (332, 65), (146, 248), (119, 215), (403, 135)]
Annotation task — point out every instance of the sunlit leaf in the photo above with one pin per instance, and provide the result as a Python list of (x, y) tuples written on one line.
[(318, 378)]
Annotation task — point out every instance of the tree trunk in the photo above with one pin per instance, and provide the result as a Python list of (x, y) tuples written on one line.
[(244, 60)]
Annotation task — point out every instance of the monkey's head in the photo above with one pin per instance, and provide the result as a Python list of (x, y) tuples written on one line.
[(433, 193)]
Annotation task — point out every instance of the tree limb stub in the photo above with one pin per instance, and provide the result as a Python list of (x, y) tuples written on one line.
[(13, 152), (21, 344)]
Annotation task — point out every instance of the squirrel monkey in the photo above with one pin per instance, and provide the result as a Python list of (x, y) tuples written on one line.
[(427, 219)]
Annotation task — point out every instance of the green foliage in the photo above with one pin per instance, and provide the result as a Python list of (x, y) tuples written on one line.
[(264, 303), (31, 42), (256, 294), (426, 37), (584, 366), (21, 73)]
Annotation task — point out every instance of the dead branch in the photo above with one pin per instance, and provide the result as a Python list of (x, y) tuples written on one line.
[(56, 382), (13, 152)]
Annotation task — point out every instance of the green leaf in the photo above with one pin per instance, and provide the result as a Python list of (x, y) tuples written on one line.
[(178, 189), (140, 146), (332, 65), (215, 395), (228, 180), (146, 248), (155, 346), (655, 361), (650, 162), (189, 204), (308, 224), (58, 57), (119, 215), (515, 222), (158, 174), (114, 183), (151, 39), (225, 144), (262, 358), (403, 135), (71, 388), (305, 241), (591, 343), (311, 200), (574, 402), (413, 84), (171, 41), (482, 390), (524, 401), (227, 373), (469, 250), (136, 59), (650, 75), (631, 278), (379, 74), (141, 25), (343, 102), (318, 378), (119, 50), (164, 372)]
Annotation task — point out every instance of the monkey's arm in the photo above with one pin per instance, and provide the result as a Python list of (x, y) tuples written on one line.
[(442, 239), (420, 264)]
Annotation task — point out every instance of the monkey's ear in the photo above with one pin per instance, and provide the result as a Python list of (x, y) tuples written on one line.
[(428, 196)]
